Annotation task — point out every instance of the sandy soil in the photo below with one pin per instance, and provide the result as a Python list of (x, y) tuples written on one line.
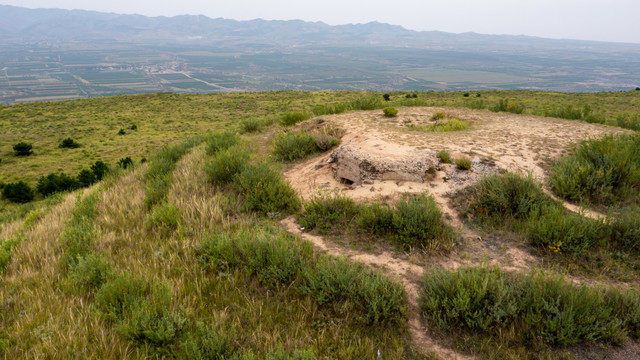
[(494, 142)]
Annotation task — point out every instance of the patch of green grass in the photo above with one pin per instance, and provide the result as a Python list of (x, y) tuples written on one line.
[(532, 311), (463, 163), (508, 105), (250, 125), (417, 222), (448, 125), (291, 118), (294, 145), (225, 164), (326, 212), (390, 111), (445, 157), (220, 140)]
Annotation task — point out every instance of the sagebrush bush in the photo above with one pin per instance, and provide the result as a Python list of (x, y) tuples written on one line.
[(90, 272), (264, 190), (463, 163), (220, 141), (526, 309), (291, 118), (225, 164), (605, 171), (418, 222), (18, 192), (294, 145), (625, 230), (326, 211), (376, 219), (508, 195), (206, 343), (390, 111), (553, 228), (325, 141), (445, 157), (377, 300)]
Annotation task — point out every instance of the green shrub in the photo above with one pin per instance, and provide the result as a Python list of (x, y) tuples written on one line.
[(329, 109), (376, 219), (445, 157), (90, 272), (466, 94), (418, 222), (438, 115), (85, 178), (166, 217), (18, 192), (225, 164), (220, 141), (125, 162), (291, 118), (206, 343), (525, 309), (450, 124), (100, 169), (56, 183), (334, 282), (293, 145), (625, 230), (366, 103), (629, 121), (324, 212), (22, 149), (463, 163), (507, 196), (6, 251), (551, 227), (605, 171), (69, 143), (250, 125), (116, 297), (390, 111), (386, 97), (133, 127), (264, 190), (122, 132), (505, 105)]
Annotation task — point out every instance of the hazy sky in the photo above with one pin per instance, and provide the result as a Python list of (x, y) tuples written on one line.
[(605, 20)]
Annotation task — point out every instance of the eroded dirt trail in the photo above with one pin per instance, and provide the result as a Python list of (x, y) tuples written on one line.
[(407, 273)]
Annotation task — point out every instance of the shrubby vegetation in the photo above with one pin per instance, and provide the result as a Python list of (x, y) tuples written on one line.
[(293, 117), (507, 105), (390, 111), (527, 310), (569, 112), (463, 163), (23, 149), (414, 222), (445, 157), (69, 143), (18, 192)]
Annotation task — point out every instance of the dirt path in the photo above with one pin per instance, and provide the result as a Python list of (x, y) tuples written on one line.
[(407, 273)]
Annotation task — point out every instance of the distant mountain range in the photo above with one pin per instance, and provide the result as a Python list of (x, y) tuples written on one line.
[(371, 56)]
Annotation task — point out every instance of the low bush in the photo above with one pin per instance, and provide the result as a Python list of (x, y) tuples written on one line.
[(390, 111), (325, 141), (507, 196), (220, 141), (438, 115), (629, 121), (116, 297), (552, 228), (386, 97), (166, 217), (324, 212), (463, 163), (376, 219), (122, 132), (100, 169), (250, 125), (625, 230), (417, 222), (366, 103), (450, 124), (6, 251), (264, 190), (206, 343), (526, 310), (85, 178), (319, 110), (505, 105), (23, 149), (604, 171), (18, 192), (445, 157), (225, 164), (125, 162), (291, 118), (294, 145), (90, 273), (69, 143)]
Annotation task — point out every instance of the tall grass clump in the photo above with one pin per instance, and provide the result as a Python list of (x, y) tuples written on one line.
[(294, 145), (463, 163), (445, 157), (291, 118), (604, 171), (447, 125), (366, 103), (250, 125), (6, 251), (220, 141), (158, 174), (535, 309), (390, 111), (507, 105), (225, 164), (281, 261), (629, 121), (625, 230), (327, 211), (264, 190), (319, 110)]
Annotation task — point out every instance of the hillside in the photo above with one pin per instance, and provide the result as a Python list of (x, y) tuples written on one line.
[(298, 225), (53, 54)]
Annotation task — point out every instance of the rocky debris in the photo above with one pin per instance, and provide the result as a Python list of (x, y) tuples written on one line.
[(351, 165)]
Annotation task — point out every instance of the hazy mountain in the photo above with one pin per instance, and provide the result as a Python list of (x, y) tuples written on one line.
[(49, 53)]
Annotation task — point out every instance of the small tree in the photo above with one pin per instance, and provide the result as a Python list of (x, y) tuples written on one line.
[(23, 149), (69, 143), (99, 169), (86, 178), (386, 97), (125, 162), (19, 192)]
